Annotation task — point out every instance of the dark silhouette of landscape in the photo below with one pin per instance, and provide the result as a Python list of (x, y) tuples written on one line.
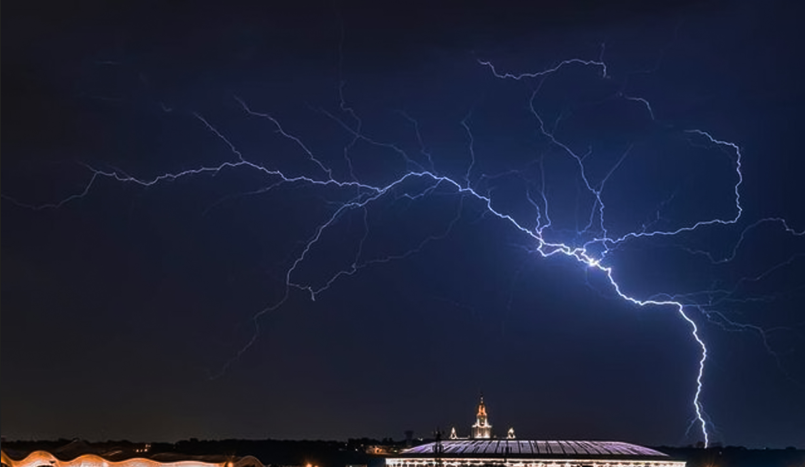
[(358, 452)]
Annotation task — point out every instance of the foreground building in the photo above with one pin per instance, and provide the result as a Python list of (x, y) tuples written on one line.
[(46, 459), (481, 450)]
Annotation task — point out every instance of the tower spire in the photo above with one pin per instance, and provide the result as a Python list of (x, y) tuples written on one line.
[(481, 429)]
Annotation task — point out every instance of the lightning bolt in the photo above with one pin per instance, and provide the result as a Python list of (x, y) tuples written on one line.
[(421, 180)]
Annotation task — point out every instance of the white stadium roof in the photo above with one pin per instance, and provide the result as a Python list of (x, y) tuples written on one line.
[(512, 448)]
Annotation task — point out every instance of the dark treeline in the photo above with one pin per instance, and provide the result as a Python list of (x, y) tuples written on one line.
[(736, 456)]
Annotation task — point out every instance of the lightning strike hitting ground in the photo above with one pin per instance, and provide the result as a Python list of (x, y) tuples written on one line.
[(590, 246)]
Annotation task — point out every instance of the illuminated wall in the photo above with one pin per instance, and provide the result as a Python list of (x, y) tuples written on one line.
[(485, 462), (46, 459)]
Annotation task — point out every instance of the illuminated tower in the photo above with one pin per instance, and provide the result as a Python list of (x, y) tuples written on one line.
[(481, 429)]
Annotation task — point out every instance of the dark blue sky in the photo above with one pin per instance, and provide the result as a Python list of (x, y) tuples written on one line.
[(119, 304)]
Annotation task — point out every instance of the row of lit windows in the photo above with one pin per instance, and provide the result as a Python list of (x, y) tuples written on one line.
[(504, 463)]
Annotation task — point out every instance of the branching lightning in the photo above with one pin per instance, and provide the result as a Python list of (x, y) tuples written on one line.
[(423, 180)]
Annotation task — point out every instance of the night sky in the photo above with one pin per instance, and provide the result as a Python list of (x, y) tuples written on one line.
[(128, 310)]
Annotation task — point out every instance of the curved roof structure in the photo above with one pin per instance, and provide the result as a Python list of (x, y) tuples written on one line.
[(46, 459), (517, 448)]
